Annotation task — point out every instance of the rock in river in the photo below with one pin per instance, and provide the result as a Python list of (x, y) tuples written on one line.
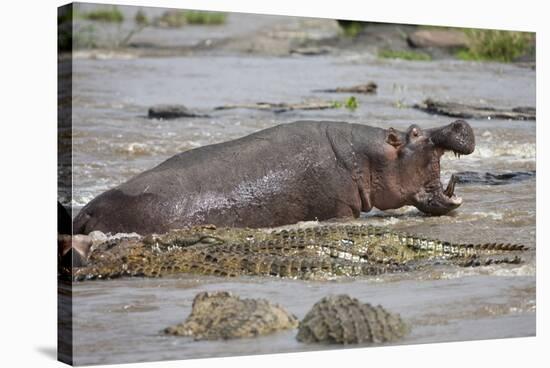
[(278, 107), (368, 88), (172, 112), (437, 38), (488, 178), (344, 320), (221, 315), (465, 111)]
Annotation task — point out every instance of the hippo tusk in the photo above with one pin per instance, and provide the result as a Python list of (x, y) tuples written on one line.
[(450, 190)]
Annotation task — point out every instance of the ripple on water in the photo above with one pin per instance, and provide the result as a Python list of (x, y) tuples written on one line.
[(492, 270)]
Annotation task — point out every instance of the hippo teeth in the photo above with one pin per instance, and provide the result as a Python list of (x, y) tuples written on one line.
[(450, 190)]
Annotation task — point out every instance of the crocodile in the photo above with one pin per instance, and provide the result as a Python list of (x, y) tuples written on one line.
[(341, 319), (303, 253), (335, 319), (222, 316)]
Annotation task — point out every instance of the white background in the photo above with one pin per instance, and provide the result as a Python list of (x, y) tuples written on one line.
[(28, 179)]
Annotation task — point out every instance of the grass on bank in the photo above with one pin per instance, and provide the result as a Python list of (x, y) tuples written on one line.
[(405, 55), (179, 18), (108, 15), (495, 45), (351, 28), (201, 17), (84, 36), (141, 18)]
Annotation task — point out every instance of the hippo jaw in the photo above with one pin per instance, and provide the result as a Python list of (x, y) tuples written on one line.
[(433, 198)]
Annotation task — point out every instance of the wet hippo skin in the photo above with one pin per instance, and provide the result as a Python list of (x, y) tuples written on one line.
[(300, 171)]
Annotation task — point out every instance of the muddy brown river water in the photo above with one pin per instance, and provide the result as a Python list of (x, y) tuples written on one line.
[(120, 320)]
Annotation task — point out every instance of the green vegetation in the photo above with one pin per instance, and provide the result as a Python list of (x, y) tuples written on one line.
[(202, 17), (112, 15), (494, 45), (179, 18), (85, 36), (141, 18), (351, 28), (405, 55), (350, 104)]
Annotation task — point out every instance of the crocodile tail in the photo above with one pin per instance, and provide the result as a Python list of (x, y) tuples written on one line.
[(444, 248), (486, 261), (504, 247)]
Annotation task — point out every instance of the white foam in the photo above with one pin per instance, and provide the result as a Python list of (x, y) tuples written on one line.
[(489, 214), (510, 150), (528, 269), (136, 148), (389, 221)]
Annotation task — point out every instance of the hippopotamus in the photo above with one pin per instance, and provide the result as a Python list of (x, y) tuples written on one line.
[(306, 170)]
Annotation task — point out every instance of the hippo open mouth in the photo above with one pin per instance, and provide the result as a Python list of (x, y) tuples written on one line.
[(435, 198)]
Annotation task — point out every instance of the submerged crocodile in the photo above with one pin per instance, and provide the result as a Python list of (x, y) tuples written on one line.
[(335, 319), (222, 315), (341, 319), (319, 252)]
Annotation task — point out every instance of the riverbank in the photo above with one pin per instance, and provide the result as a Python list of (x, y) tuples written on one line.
[(128, 32)]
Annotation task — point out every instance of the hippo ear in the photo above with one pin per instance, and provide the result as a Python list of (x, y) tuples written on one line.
[(393, 138)]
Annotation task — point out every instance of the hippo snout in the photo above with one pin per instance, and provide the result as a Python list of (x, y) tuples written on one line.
[(457, 137)]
